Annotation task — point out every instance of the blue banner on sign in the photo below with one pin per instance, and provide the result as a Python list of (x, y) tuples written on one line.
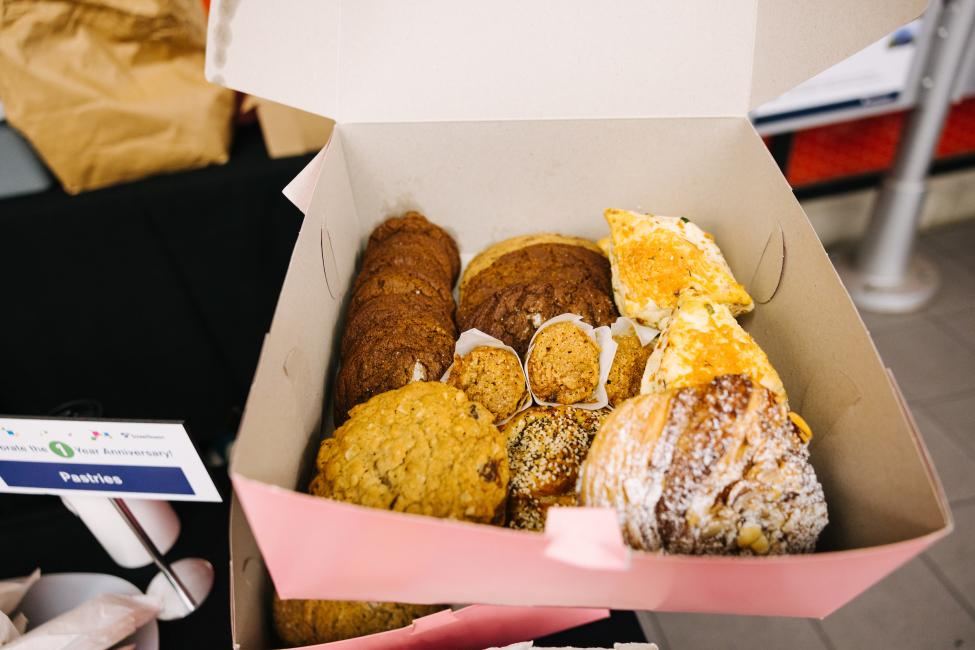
[(81, 476)]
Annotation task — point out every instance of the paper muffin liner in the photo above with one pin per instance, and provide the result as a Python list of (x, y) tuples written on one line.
[(475, 338), (602, 337), (645, 333)]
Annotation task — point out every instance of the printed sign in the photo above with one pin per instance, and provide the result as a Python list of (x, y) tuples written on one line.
[(875, 75), (142, 460)]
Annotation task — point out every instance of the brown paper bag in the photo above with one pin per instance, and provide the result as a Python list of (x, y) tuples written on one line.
[(288, 131), (112, 90)]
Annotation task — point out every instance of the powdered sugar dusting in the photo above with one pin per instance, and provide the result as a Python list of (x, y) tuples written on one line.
[(718, 468)]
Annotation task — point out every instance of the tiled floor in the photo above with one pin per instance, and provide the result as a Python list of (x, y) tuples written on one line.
[(930, 602)]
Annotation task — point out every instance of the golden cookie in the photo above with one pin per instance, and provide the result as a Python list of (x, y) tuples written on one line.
[(424, 448), (309, 622)]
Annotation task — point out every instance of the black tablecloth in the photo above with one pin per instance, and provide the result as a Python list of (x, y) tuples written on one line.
[(152, 298)]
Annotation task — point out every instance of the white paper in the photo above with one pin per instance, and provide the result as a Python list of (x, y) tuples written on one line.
[(302, 187), (475, 338), (8, 629), (602, 337), (12, 591), (126, 459), (623, 326), (96, 624)]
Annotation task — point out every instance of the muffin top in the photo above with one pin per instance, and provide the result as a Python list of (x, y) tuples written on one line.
[(492, 377), (563, 364)]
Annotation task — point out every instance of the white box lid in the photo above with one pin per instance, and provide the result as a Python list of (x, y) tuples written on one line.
[(457, 60)]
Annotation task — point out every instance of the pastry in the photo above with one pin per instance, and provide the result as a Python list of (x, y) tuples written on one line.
[(489, 255), (546, 445), (703, 341), (400, 322), (514, 313), (309, 622), (626, 372), (563, 364), (654, 259), (711, 469), (492, 377), (424, 448)]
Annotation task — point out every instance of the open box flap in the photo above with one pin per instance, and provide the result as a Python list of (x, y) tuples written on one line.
[(441, 60), (474, 626), (519, 568)]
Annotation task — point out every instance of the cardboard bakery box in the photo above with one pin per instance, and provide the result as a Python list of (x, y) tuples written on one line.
[(504, 118)]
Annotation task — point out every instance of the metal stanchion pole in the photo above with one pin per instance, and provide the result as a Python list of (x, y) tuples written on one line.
[(189, 579), (884, 276), (182, 592)]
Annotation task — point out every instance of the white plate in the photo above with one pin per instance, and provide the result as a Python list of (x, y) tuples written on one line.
[(57, 593)]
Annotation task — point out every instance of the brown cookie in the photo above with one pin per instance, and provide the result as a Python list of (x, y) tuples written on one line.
[(418, 245), (628, 366), (514, 313), (386, 311), (492, 377), (400, 323), (414, 257), (406, 282), (410, 335), (563, 364), (387, 366), (539, 263), (492, 253), (414, 222)]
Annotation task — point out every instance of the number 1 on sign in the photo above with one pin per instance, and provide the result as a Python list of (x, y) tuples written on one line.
[(61, 449)]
